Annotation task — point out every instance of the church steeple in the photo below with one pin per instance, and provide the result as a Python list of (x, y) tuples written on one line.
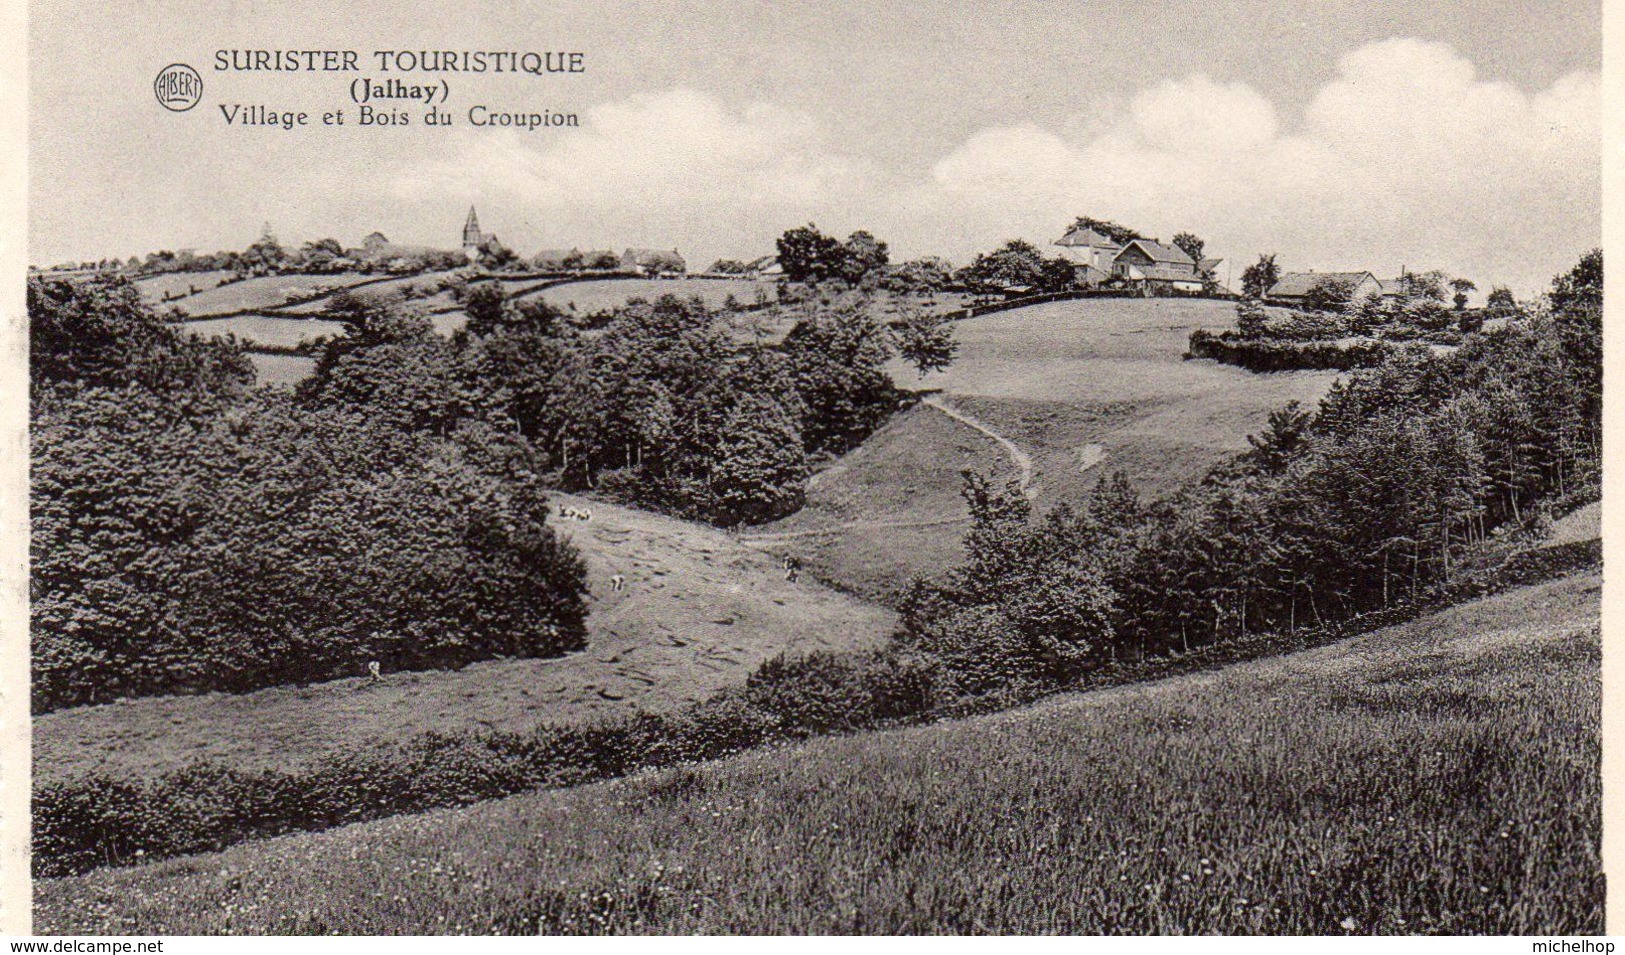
[(472, 236)]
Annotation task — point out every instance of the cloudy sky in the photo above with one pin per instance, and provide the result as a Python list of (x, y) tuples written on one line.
[(1454, 134)]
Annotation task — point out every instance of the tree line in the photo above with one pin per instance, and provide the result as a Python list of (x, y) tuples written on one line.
[(191, 532)]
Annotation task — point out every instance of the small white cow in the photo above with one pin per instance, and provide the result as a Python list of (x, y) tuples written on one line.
[(617, 583)]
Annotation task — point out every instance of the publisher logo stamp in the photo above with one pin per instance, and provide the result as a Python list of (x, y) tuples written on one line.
[(178, 87)]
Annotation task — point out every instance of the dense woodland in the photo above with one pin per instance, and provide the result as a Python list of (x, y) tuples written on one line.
[(194, 532)]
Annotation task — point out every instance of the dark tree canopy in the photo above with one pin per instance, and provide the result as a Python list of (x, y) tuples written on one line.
[(1121, 234)]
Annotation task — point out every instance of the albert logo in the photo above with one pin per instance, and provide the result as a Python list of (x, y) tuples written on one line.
[(178, 87)]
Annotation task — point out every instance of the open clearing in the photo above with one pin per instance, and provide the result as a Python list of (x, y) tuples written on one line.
[(155, 288), (1080, 388), (264, 330), (287, 370), (409, 286), (1439, 776), (262, 294), (593, 296), (700, 611)]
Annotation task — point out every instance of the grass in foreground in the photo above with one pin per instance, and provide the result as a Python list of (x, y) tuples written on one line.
[(1440, 776)]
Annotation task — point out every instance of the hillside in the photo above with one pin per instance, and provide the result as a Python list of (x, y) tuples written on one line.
[(1386, 784), (1079, 388), (699, 611)]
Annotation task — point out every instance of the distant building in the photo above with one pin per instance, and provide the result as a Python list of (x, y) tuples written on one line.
[(1147, 263), (1142, 262), (473, 238), (1294, 287), (654, 262), (1092, 252), (766, 267)]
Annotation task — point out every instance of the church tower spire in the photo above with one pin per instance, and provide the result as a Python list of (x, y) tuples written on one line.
[(472, 236)]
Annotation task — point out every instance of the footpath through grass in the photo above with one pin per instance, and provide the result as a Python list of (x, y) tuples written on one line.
[(1437, 776)]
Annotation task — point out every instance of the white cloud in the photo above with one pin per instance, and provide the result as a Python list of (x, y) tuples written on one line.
[(1405, 157)]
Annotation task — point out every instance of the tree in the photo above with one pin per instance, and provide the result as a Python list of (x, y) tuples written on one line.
[(1422, 286), (99, 332), (808, 255), (926, 342), (1252, 320), (862, 255), (1016, 263), (919, 277), (1581, 285), (1501, 298), (1189, 244), (1329, 295), (759, 469), (1462, 287), (838, 362), (1257, 279), (1120, 234), (485, 303)]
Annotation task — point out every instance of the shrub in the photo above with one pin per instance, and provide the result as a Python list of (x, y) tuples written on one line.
[(1267, 355)]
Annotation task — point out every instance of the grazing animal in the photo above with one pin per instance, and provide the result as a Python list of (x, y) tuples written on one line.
[(372, 668), (584, 515), (616, 583), (792, 568)]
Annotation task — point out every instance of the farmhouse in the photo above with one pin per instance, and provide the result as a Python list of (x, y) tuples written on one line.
[(654, 262), (1141, 263), (767, 267), (1092, 252), (1145, 262), (1294, 287)]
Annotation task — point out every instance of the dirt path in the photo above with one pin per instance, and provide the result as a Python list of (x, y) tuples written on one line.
[(1023, 460)]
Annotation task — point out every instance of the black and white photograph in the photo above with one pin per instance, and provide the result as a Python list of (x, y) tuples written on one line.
[(613, 467)]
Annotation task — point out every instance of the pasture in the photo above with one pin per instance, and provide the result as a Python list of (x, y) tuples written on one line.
[(155, 288), (601, 294), (1082, 388), (1391, 783), (408, 286), (889, 509), (699, 611), (262, 294), (282, 369), (265, 330)]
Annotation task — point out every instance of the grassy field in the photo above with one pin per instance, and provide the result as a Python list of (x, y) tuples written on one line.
[(1437, 777), (406, 285), (261, 294), (154, 288), (700, 611), (603, 294), (282, 369), (1083, 388), (890, 509), (265, 330)]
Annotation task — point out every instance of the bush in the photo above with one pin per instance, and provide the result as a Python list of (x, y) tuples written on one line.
[(1269, 355)]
